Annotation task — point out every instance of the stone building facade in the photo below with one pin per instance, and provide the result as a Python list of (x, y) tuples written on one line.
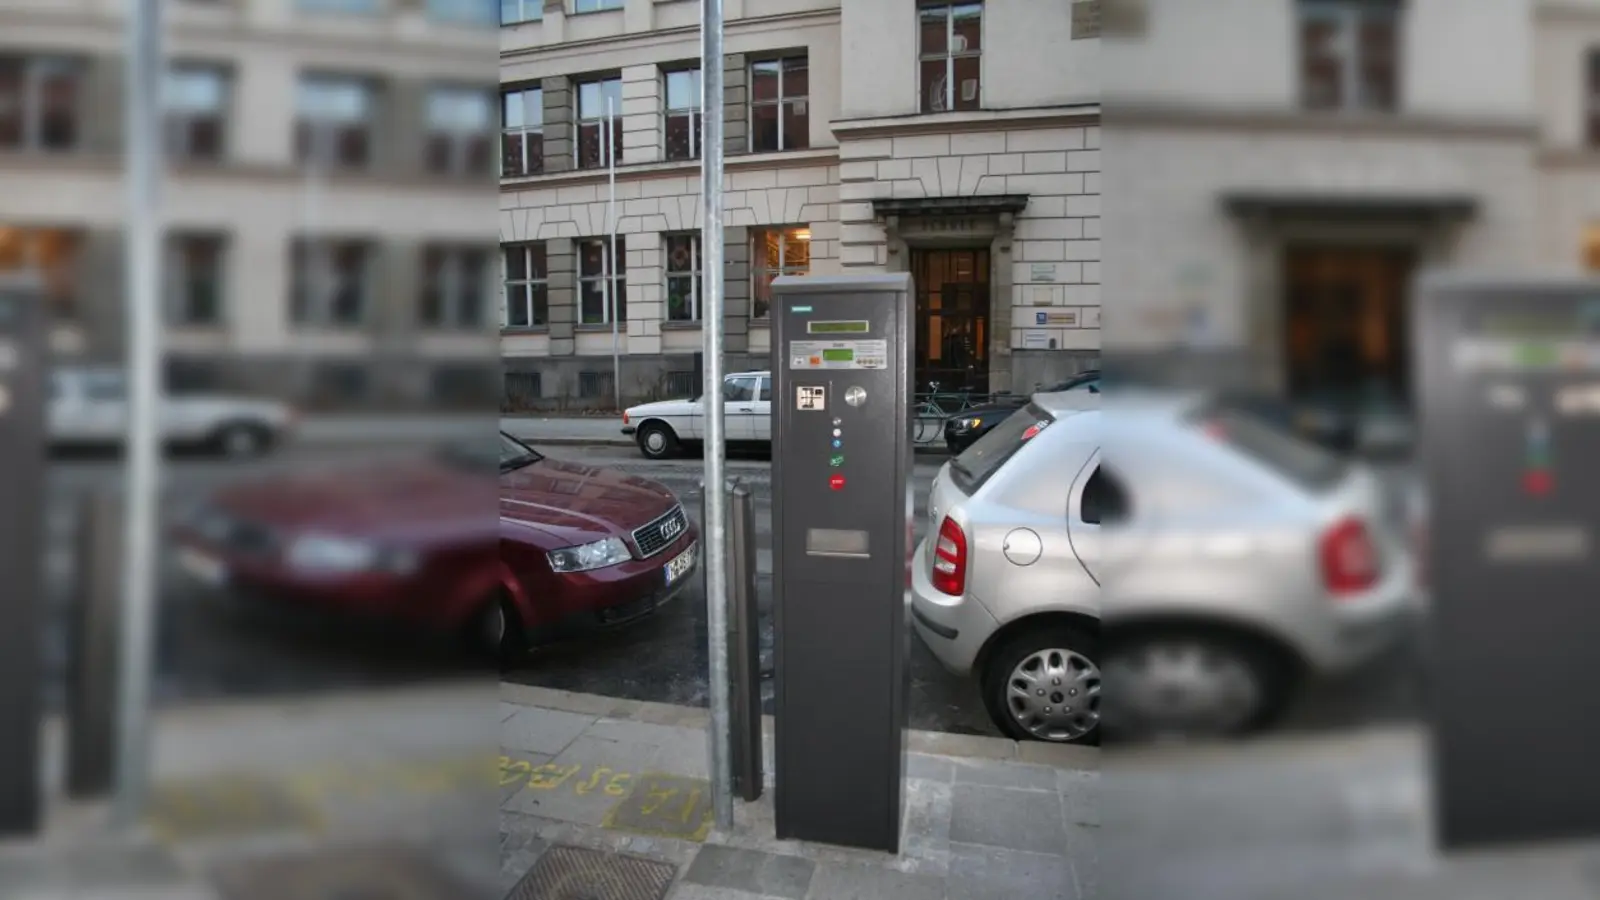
[(841, 156)]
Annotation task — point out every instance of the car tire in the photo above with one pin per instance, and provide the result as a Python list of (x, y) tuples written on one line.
[(1253, 683), (657, 441), (495, 632), (242, 440), (1069, 653)]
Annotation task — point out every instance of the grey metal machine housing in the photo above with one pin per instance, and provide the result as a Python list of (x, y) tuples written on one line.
[(841, 514)]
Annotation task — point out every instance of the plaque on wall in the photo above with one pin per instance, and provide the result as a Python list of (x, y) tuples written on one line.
[(1085, 19)]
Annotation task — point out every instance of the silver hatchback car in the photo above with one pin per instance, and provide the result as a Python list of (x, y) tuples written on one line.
[(1231, 558)]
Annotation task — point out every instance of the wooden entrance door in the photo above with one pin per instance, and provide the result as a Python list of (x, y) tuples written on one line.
[(951, 320), (1346, 322)]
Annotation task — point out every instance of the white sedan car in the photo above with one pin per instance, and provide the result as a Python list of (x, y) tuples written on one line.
[(666, 427), (89, 407)]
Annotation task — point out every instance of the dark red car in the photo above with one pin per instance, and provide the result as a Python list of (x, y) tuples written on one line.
[(553, 548)]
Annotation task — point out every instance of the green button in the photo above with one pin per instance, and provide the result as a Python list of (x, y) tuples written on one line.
[(836, 461)]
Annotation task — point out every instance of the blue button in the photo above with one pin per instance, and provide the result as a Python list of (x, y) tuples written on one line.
[(837, 443)]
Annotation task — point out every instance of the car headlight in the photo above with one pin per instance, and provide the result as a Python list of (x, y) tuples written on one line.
[(585, 557), (331, 554), (971, 423)]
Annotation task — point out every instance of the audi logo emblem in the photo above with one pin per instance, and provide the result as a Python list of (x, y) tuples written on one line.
[(670, 528)]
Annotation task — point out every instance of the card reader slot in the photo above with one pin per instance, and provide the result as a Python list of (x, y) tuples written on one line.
[(838, 543)]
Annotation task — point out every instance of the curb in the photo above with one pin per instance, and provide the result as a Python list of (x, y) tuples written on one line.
[(1298, 748), (927, 742)]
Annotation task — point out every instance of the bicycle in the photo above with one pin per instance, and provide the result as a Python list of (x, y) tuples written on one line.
[(930, 413)]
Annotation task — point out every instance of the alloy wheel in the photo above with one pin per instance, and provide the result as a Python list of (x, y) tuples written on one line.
[(1054, 695)]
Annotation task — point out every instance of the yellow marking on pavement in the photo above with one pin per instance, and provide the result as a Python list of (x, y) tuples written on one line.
[(666, 806)]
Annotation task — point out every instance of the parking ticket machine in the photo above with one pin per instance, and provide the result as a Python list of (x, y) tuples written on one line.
[(22, 459), (841, 507), (1508, 375)]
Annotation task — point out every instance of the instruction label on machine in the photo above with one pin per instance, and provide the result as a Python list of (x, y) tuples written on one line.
[(838, 354), (811, 398)]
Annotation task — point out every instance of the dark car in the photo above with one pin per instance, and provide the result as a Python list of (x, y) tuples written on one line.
[(964, 428), (551, 549)]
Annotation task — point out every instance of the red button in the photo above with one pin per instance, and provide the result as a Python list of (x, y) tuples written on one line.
[(1537, 482), (836, 482)]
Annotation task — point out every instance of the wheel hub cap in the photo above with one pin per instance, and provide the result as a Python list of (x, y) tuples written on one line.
[(656, 441), (1184, 688), (1055, 695)]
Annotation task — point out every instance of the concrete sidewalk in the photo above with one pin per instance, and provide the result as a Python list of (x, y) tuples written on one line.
[(377, 793), (603, 791)]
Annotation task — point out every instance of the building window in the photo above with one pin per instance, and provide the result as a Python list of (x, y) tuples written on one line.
[(514, 12), (460, 131), (778, 108), (592, 97), (776, 251), (950, 54), (522, 132), (52, 255), (195, 101), (594, 264), (39, 97), (684, 284), (683, 113), (479, 13), (335, 120), (330, 282), (454, 282), (526, 284), (363, 7), (1349, 54), (194, 278), (1593, 108), (589, 6)]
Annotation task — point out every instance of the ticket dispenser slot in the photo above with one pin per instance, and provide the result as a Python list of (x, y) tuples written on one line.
[(22, 474), (841, 474), (1508, 377)]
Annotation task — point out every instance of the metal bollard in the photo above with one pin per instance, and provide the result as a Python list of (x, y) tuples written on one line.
[(92, 697), (744, 639), (744, 642)]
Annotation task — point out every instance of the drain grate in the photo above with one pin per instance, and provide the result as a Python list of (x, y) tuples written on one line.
[(360, 874), (578, 873)]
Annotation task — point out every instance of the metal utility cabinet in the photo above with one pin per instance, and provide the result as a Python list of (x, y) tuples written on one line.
[(1508, 379), (841, 529)]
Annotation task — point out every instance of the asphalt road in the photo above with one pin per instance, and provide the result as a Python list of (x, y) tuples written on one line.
[(206, 652)]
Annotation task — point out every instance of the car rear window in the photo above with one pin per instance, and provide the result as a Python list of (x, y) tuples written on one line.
[(988, 454), (1273, 446)]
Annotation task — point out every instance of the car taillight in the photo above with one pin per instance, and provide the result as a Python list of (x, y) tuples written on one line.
[(1349, 559), (624, 418), (950, 560)]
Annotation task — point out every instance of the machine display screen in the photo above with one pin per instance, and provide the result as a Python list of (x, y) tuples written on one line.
[(839, 354), (1533, 326), (838, 327)]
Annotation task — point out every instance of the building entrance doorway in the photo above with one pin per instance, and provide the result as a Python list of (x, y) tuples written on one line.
[(1346, 319), (951, 320)]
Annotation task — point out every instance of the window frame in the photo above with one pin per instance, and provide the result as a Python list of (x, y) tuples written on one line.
[(949, 55), (579, 121), (33, 109), (537, 6), (454, 287), (319, 308), (695, 274), (522, 132), (618, 275), (178, 279), (600, 6), (758, 263), (177, 124), (694, 113), (340, 7), (459, 140), (780, 102), (309, 127), (1348, 17), (1592, 97), (528, 287)]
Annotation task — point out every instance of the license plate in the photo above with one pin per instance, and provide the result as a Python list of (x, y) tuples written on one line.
[(680, 565), (203, 568)]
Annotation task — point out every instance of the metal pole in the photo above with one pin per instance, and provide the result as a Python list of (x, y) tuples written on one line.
[(144, 230), (611, 219), (716, 523)]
